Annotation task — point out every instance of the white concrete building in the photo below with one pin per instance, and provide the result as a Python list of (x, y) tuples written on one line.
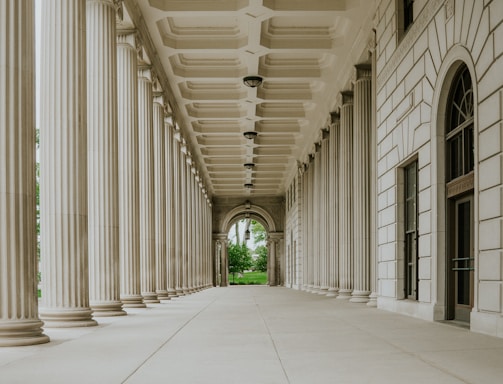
[(364, 135)]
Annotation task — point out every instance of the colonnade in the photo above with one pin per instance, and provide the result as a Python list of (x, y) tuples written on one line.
[(336, 219), (125, 219)]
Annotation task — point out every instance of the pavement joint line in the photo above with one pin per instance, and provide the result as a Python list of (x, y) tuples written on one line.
[(168, 340), (272, 340), (415, 355)]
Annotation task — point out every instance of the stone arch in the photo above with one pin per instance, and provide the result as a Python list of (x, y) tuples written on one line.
[(457, 56), (254, 211)]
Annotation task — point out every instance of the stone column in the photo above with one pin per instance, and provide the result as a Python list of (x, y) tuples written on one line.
[(171, 219), (345, 222), (310, 229), (272, 243), (325, 230), (189, 209), (102, 138), (63, 153), (224, 262), (304, 228), (129, 228), (146, 156), (373, 190), (184, 219), (316, 219), (362, 114), (333, 208), (160, 197), (177, 168), (19, 322)]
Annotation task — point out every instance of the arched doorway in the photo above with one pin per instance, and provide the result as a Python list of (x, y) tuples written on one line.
[(459, 172), (274, 242)]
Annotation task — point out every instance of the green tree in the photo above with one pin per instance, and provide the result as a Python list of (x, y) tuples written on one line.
[(261, 261), (239, 259), (258, 230)]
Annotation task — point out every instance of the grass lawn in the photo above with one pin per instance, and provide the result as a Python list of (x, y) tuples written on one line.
[(249, 278)]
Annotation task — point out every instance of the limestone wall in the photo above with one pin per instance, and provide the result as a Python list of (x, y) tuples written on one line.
[(412, 88)]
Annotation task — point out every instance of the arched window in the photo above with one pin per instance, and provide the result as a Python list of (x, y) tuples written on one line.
[(459, 126)]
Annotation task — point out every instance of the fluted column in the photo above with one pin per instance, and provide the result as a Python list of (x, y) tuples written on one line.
[(373, 190), (345, 198), (19, 322), (304, 228), (177, 168), (361, 184), (146, 156), (63, 154), (170, 211), (316, 219), (102, 134), (160, 198), (189, 206), (129, 212), (333, 208), (310, 227), (184, 219), (325, 230)]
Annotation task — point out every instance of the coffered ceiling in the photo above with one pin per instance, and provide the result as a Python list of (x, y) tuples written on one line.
[(303, 49)]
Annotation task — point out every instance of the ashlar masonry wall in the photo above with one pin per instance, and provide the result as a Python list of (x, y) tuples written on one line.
[(413, 79)]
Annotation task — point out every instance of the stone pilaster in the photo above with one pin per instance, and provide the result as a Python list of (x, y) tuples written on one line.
[(63, 153), (160, 198), (146, 156), (345, 198), (333, 208), (129, 199), (272, 245), (102, 159), (189, 209), (171, 219), (373, 191), (19, 322), (310, 221), (224, 262), (362, 114)]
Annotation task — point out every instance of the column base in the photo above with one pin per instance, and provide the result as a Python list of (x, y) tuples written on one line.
[(332, 292), (315, 289), (67, 317), (323, 291), (107, 308), (163, 295), (360, 296), (179, 292), (372, 300), (185, 291), (18, 333), (132, 301), (150, 298), (172, 293), (344, 294)]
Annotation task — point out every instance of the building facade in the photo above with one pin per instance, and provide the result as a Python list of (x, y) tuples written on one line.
[(378, 168)]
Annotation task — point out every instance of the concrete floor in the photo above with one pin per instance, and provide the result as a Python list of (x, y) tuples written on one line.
[(258, 335)]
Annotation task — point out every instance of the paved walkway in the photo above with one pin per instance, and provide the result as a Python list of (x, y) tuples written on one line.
[(258, 335)]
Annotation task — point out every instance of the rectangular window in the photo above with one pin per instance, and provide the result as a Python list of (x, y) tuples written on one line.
[(411, 233), (408, 14), (404, 17)]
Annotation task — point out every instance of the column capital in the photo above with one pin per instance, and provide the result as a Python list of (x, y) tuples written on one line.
[(363, 71), (145, 73), (335, 117), (128, 37), (347, 97)]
